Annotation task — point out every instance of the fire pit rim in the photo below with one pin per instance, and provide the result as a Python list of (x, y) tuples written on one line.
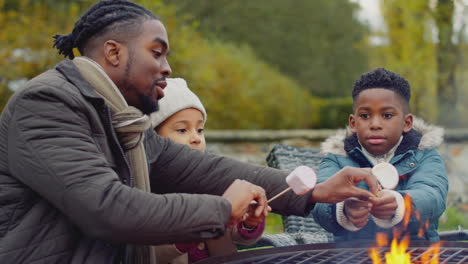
[(323, 246)]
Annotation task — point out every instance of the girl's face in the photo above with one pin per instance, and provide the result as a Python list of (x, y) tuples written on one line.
[(185, 127)]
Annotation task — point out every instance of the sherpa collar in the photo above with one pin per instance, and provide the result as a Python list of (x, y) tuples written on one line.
[(422, 136)]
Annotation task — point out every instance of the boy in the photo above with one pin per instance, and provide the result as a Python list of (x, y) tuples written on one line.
[(381, 129), (181, 118)]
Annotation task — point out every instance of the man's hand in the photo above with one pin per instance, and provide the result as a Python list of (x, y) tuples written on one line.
[(384, 205), (357, 211), (240, 194), (341, 186)]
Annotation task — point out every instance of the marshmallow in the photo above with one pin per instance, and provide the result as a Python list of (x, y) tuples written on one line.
[(302, 179), (387, 175)]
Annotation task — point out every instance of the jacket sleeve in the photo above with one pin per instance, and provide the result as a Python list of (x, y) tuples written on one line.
[(177, 168), (428, 187), (324, 213), (52, 151), (243, 236)]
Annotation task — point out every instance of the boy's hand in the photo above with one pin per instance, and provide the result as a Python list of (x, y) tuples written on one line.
[(357, 211), (384, 205), (341, 186), (240, 194)]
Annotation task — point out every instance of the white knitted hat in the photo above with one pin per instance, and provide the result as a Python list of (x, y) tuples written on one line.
[(177, 97)]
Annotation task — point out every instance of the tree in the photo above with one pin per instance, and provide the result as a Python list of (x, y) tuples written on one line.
[(318, 43), (411, 52), (425, 47), (446, 52), (26, 38), (238, 89)]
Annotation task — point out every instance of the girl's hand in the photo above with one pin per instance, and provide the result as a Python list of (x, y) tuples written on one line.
[(250, 220)]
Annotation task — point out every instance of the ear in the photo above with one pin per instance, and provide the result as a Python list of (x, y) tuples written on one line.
[(408, 123), (352, 123), (113, 52)]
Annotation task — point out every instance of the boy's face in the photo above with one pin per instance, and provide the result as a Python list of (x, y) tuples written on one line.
[(379, 120), (185, 127)]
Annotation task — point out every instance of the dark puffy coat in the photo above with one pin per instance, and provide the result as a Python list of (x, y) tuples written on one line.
[(66, 192)]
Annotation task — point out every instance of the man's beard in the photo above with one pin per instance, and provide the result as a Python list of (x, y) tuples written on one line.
[(147, 104)]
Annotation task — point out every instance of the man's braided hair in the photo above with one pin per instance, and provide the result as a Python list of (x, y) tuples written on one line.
[(103, 17)]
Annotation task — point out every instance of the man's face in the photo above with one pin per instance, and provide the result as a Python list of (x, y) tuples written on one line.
[(146, 67), (379, 120)]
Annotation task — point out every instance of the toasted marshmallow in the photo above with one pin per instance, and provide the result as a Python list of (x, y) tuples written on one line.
[(302, 179), (387, 175)]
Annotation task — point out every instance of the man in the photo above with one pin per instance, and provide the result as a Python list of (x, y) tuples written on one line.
[(74, 145)]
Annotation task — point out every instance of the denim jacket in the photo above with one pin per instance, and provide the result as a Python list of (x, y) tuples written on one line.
[(422, 176)]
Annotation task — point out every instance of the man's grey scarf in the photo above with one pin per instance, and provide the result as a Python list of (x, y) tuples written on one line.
[(129, 124)]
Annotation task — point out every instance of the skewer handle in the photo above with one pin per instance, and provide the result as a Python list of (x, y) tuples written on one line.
[(279, 194)]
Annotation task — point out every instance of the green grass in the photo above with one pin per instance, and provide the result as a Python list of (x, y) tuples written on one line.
[(248, 249), (453, 218), (274, 224)]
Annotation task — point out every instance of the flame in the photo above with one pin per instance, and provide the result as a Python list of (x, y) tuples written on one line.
[(423, 228), (408, 211), (398, 254), (417, 214), (398, 251), (382, 239), (375, 257), (431, 256)]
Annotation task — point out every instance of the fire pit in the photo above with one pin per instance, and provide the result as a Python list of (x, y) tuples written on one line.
[(335, 253)]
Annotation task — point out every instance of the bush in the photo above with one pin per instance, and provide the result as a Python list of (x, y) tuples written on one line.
[(238, 90), (333, 113), (452, 219)]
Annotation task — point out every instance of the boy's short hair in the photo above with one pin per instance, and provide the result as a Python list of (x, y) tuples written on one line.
[(383, 78)]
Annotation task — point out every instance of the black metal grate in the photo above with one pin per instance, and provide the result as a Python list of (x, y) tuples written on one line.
[(450, 253), (353, 256)]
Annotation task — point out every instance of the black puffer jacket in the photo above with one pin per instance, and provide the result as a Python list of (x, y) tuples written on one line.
[(65, 185)]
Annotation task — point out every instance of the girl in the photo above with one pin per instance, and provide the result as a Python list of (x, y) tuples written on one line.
[(181, 117)]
